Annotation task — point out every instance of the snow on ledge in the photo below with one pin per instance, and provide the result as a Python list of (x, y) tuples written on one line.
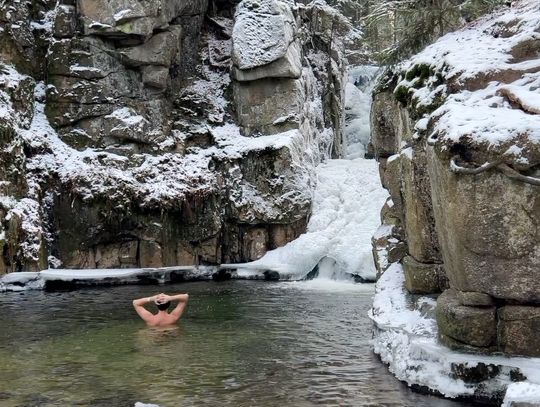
[(19, 281), (522, 393), (405, 338), (483, 85)]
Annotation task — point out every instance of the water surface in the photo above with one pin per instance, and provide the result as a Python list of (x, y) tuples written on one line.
[(239, 344)]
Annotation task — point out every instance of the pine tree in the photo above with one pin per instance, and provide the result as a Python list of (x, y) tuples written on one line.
[(396, 29)]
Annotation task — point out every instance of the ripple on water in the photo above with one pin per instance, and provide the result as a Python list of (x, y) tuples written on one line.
[(240, 344)]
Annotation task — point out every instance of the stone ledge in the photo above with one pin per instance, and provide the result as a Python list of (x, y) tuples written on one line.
[(405, 338), (473, 326)]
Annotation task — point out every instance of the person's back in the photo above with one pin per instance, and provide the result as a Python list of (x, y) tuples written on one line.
[(163, 302)]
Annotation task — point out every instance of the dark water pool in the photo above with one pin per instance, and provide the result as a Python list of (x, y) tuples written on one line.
[(239, 344)]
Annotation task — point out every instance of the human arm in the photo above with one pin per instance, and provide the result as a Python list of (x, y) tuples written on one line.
[(139, 303), (181, 306)]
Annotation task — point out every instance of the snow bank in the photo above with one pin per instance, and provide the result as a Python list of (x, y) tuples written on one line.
[(485, 46), (346, 206), (487, 118), (522, 393), (405, 337), (39, 280), (480, 86), (21, 281)]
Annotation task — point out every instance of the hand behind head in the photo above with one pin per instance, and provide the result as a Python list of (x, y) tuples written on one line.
[(161, 299)]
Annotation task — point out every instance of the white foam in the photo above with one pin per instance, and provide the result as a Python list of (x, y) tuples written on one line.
[(326, 284)]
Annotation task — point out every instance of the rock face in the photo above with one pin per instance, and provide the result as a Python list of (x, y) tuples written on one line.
[(159, 133), (273, 89), (460, 158)]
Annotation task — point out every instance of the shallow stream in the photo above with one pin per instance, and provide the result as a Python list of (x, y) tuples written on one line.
[(241, 343)]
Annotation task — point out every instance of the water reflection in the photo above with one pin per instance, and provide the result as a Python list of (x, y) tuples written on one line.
[(151, 336), (239, 344)]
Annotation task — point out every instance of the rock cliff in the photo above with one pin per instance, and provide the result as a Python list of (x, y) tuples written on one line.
[(156, 133), (456, 133)]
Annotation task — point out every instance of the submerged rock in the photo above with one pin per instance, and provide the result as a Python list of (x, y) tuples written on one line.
[(270, 275)]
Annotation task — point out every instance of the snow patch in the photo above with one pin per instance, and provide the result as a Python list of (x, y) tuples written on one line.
[(122, 14), (522, 393)]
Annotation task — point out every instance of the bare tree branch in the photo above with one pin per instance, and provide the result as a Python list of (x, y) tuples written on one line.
[(504, 168)]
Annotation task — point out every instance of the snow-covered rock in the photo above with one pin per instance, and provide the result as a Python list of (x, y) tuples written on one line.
[(456, 126), (405, 338), (132, 153), (262, 33), (138, 19)]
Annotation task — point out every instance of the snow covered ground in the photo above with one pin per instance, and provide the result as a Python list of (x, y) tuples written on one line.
[(406, 339)]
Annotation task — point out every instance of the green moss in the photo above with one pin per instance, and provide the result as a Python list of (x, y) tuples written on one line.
[(422, 71), (417, 112), (126, 28), (418, 74), (410, 74), (402, 94)]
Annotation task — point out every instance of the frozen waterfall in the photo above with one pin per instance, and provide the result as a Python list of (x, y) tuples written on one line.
[(346, 205)]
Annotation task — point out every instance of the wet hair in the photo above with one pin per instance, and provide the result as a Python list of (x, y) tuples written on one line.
[(164, 307)]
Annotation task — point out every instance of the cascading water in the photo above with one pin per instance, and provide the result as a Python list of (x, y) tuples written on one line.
[(362, 80), (346, 205)]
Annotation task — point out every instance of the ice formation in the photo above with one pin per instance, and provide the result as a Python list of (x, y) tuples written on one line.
[(526, 393), (346, 205), (358, 90), (405, 338)]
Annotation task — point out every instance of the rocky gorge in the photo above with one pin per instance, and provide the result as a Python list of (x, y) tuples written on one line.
[(163, 133), (153, 137)]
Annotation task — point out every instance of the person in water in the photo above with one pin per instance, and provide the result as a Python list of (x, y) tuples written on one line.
[(163, 302)]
